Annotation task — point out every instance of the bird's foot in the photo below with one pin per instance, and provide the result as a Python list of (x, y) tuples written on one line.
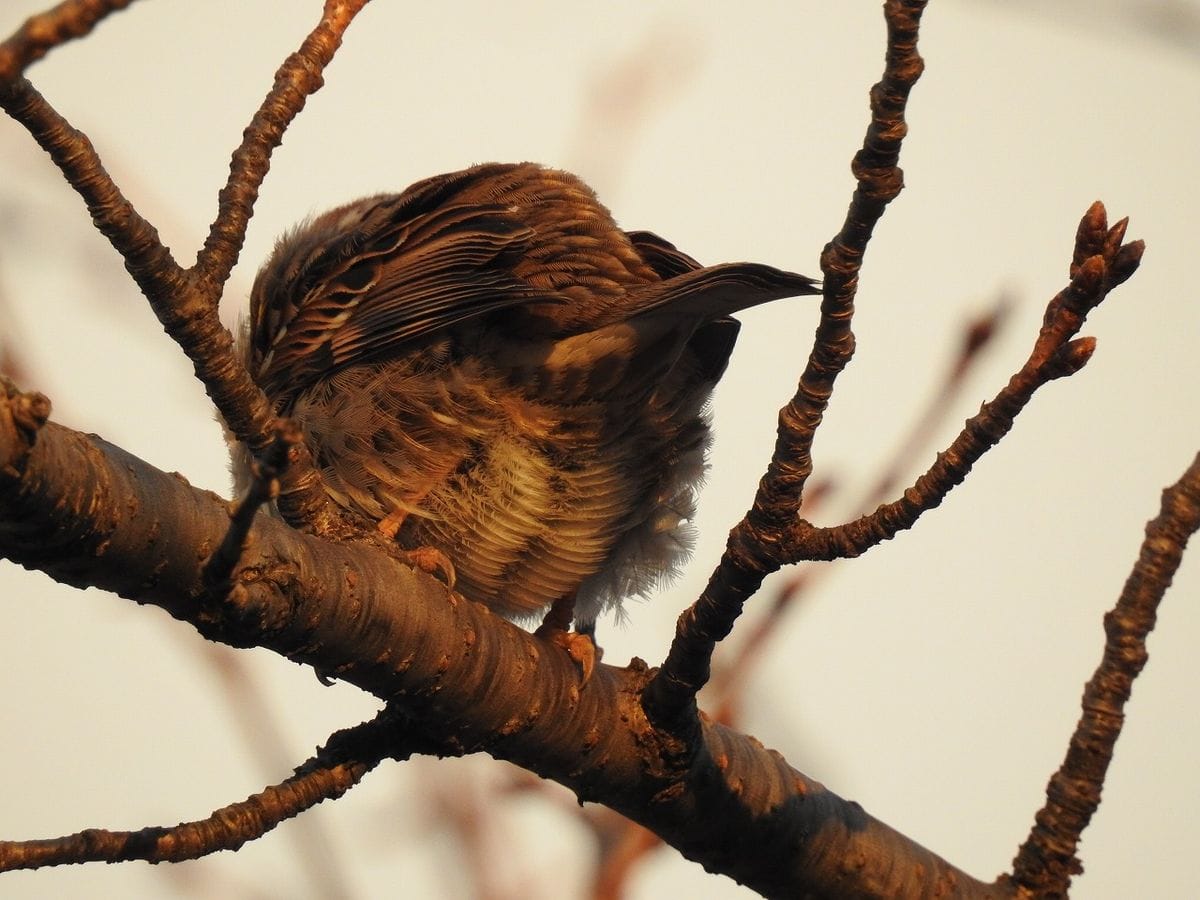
[(580, 647), (579, 644), (431, 561)]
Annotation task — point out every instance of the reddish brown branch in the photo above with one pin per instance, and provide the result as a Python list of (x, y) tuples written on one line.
[(298, 77), (264, 487), (341, 764), (731, 677), (185, 302), (752, 551), (1045, 863), (304, 503), (148, 261), (1056, 353), (42, 33), (88, 514)]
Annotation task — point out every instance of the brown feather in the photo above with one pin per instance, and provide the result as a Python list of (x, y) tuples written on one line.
[(490, 355)]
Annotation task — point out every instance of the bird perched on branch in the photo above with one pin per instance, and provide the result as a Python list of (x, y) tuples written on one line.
[(486, 365)]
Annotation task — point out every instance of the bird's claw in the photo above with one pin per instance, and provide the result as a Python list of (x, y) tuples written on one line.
[(581, 648), (433, 562)]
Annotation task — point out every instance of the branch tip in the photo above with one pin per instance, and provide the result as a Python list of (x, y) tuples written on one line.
[(1115, 236), (1126, 261), (1090, 236), (1046, 861)]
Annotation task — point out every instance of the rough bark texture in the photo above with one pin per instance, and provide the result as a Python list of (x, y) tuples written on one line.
[(89, 514)]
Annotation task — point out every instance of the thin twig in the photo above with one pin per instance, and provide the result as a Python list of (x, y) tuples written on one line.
[(42, 33), (749, 556), (267, 469), (303, 501), (977, 334), (1101, 262), (300, 76), (346, 758), (1046, 861), (148, 261)]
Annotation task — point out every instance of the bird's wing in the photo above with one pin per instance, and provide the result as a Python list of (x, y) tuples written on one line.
[(712, 343), (661, 255), (406, 265), (706, 294)]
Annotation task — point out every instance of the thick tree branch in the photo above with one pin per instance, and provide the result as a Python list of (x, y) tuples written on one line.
[(87, 513)]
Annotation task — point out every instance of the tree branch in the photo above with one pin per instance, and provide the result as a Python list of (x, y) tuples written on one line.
[(752, 551), (88, 514), (340, 765), (730, 678), (1046, 861), (1054, 355), (299, 77), (185, 301), (40, 34)]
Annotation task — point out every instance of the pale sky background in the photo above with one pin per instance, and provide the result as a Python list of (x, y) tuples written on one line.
[(935, 680)]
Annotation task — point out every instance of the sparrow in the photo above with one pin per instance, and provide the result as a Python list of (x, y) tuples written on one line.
[(486, 366)]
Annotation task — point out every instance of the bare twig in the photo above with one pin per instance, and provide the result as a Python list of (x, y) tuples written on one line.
[(264, 487), (1101, 262), (185, 301), (298, 77), (42, 33), (315, 855), (341, 764), (148, 261), (733, 674), (750, 553), (1046, 861)]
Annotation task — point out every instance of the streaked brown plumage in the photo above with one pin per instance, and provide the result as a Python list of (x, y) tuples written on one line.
[(489, 364)]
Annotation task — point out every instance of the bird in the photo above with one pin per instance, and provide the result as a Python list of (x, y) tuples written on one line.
[(487, 367)]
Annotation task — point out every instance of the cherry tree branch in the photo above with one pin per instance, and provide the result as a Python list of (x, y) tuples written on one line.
[(298, 78), (88, 514), (752, 550), (185, 301), (347, 757), (40, 34), (1046, 861), (1100, 263), (731, 677)]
